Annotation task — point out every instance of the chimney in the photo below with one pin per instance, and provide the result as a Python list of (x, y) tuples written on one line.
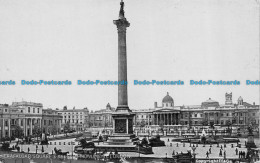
[(254, 103), (155, 104)]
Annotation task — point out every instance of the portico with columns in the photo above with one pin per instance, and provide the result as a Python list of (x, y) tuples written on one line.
[(166, 117)]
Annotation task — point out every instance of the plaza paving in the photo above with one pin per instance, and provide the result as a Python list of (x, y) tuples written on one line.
[(159, 152)]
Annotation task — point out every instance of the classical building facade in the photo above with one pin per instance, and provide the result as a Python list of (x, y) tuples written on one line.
[(51, 121), (27, 115), (32, 115), (209, 112), (77, 118), (101, 118)]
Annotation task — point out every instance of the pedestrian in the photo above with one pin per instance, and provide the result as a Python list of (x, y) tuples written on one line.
[(224, 154), (177, 145), (209, 150), (220, 153), (168, 139), (207, 154), (221, 147), (28, 150), (173, 153), (236, 151)]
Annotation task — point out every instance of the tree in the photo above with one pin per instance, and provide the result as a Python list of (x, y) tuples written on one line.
[(204, 122), (37, 131), (161, 125), (252, 122), (53, 130), (142, 124), (66, 128), (229, 130), (18, 132), (211, 124)]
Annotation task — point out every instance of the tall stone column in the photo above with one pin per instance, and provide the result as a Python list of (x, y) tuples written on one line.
[(24, 127), (31, 126), (122, 24), (157, 119), (3, 129), (9, 127)]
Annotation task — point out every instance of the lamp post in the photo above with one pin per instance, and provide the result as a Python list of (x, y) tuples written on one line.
[(71, 149)]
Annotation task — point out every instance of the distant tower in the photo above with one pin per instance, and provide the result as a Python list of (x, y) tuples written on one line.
[(108, 107), (228, 98), (240, 101)]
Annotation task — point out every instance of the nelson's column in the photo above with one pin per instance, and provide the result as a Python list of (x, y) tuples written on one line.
[(123, 116)]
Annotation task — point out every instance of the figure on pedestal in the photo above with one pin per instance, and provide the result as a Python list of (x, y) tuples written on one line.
[(250, 139)]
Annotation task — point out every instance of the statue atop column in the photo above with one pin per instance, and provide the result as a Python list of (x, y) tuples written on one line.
[(122, 12)]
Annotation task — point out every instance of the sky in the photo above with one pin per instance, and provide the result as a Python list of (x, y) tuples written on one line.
[(167, 40)]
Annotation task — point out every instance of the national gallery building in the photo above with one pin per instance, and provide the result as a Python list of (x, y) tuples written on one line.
[(209, 112)]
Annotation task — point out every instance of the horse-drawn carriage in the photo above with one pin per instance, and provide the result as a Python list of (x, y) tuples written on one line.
[(59, 152)]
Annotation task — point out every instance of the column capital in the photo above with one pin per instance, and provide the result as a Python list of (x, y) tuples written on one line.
[(121, 24)]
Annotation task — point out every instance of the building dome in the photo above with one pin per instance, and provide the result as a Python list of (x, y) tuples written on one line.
[(240, 99), (167, 99), (210, 103)]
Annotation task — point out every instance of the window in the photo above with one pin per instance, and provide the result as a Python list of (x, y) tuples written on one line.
[(29, 110), (44, 122), (241, 114), (21, 111), (38, 110), (227, 114), (201, 115), (33, 110), (253, 114), (195, 116), (21, 123), (6, 123)]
